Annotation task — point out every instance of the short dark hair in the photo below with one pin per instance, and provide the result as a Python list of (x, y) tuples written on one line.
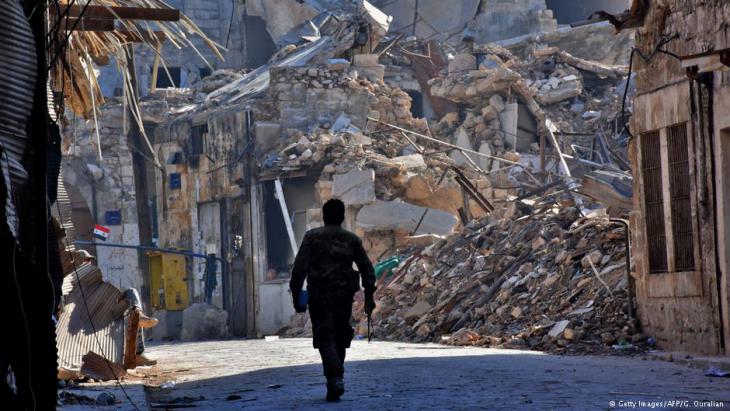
[(333, 212)]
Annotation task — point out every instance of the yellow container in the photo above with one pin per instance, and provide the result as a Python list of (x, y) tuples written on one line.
[(168, 281)]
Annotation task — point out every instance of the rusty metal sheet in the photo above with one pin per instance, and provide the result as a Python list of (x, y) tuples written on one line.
[(74, 332)]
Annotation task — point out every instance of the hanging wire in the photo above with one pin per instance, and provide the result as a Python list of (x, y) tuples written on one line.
[(62, 46), (635, 50)]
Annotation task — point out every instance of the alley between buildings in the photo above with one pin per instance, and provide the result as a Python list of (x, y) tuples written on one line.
[(534, 194)]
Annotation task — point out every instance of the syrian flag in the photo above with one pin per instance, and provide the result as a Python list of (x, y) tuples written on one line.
[(101, 232)]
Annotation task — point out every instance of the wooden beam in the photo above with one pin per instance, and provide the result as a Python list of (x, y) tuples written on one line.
[(125, 13), (130, 340), (155, 67), (86, 24)]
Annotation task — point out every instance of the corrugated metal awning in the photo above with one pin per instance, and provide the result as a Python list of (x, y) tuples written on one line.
[(74, 333)]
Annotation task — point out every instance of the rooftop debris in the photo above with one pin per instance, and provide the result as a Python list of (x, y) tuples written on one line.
[(549, 280), (546, 268), (74, 73), (543, 278)]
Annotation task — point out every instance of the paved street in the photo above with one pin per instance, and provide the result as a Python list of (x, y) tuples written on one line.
[(285, 374)]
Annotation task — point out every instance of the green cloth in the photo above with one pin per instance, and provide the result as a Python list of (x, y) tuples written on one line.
[(386, 266)]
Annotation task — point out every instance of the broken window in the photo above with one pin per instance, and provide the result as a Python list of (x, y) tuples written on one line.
[(197, 139), (653, 201), (205, 72), (416, 103), (680, 200), (173, 80)]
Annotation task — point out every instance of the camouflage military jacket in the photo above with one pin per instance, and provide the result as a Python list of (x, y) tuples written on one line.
[(325, 259)]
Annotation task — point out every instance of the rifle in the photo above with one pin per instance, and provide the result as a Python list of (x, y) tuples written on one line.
[(369, 335)]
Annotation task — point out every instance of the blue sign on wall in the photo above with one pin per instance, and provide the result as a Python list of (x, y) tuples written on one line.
[(113, 217), (175, 181)]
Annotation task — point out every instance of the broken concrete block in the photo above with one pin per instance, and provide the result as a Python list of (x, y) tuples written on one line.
[(365, 60), (395, 215), (591, 114), (489, 113), (409, 162), (485, 162), (558, 328), (569, 334), (356, 187), (562, 91), (204, 322), (508, 123), (461, 139), (267, 135), (462, 63), (337, 64), (465, 336), (416, 312), (418, 188), (497, 102), (593, 257)]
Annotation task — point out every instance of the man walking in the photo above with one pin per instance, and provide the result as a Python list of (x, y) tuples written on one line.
[(325, 261)]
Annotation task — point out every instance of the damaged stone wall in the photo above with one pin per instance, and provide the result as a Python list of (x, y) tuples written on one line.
[(504, 19), (385, 182), (685, 310), (107, 185), (223, 22), (312, 96), (480, 20), (209, 167)]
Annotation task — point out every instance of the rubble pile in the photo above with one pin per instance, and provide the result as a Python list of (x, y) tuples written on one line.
[(576, 95), (216, 80), (340, 139), (547, 279), (531, 274)]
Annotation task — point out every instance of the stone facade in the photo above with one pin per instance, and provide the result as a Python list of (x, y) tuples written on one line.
[(680, 247), (503, 19), (107, 185)]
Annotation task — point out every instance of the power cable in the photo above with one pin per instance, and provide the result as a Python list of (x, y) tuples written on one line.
[(62, 46), (230, 23), (635, 50)]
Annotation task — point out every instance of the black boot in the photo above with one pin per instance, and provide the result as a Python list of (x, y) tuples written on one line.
[(340, 385), (335, 388)]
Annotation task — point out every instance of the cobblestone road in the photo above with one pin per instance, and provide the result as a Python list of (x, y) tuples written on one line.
[(286, 374)]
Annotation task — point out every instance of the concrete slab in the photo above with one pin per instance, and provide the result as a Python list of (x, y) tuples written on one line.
[(357, 187), (461, 139), (508, 123), (397, 215)]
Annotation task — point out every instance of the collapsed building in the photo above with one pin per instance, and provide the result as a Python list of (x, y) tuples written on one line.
[(432, 142), (535, 129), (419, 138)]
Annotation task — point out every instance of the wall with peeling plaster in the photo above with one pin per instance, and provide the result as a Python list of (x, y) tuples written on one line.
[(686, 311), (106, 184)]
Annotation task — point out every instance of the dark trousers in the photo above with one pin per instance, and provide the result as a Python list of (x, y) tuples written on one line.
[(330, 313)]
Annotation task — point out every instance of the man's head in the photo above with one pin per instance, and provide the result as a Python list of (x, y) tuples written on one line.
[(333, 212)]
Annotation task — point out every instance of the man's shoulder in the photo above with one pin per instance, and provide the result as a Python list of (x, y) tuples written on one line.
[(332, 231), (315, 232)]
